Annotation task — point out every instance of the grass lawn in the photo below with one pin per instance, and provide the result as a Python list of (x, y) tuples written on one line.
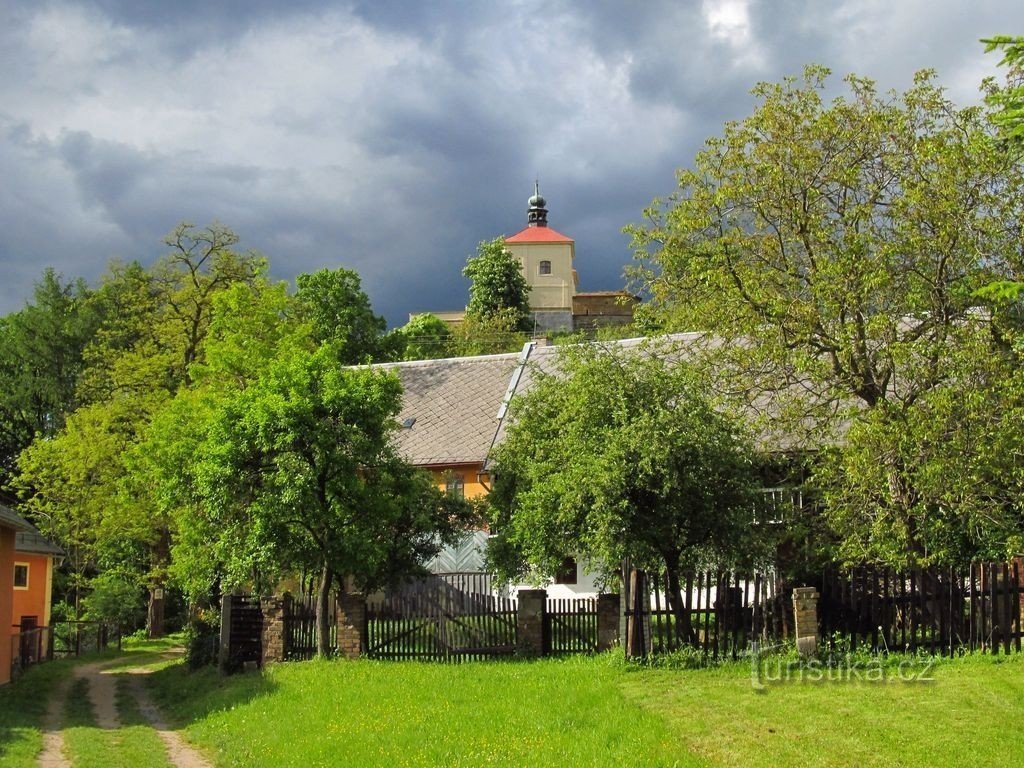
[(595, 712), (548, 713), (970, 714)]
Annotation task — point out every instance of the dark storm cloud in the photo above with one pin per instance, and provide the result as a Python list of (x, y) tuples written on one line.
[(392, 137)]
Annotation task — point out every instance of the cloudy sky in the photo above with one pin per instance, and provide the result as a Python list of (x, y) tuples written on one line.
[(392, 137)]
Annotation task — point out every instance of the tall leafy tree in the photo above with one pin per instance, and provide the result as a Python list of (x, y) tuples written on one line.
[(339, 312), (41, 348), (306, 455), (498, 288), (152, 326), (1009, 101), (621, 454), (833, 251)]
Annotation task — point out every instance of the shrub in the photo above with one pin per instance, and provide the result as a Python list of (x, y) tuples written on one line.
[(202, 641)]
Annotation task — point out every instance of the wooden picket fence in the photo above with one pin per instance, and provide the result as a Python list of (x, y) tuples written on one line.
[(937, 610)]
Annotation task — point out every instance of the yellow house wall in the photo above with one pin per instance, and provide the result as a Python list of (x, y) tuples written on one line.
[(471, 485), (554, 291)]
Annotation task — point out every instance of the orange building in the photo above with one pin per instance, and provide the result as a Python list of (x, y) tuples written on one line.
[(10, 526), (34, 560)]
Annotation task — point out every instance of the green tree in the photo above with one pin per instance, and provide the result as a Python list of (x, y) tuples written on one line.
[(41, 348), (1008, 102), (306, 454), (87, 483), (427, 337), (498, 287), (621, 454), (339, 313), (832, 251)]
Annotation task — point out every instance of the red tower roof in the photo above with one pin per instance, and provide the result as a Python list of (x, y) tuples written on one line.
[(538, 235)]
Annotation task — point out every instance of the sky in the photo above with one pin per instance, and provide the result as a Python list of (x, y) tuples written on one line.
[(392, 137)]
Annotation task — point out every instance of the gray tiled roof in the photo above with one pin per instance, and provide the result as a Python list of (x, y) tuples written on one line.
[(455, 403), (8, 519), (36, 543)]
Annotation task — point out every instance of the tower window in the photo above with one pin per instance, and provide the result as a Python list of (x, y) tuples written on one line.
[(544, 268)]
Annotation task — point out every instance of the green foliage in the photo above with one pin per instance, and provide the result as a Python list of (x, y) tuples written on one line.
[(88, 484), (41, 349), (339, 313), (1008, 103), (202, 642), (298, 469), (498, 287), (492, 335), (427, 337), (621, 454), (836, 250), (115, 599)]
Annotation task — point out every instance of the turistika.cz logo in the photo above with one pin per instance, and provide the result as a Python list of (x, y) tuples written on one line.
[(767, 670)]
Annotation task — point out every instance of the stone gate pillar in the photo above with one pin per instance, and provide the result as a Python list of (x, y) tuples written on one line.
[(530, 639), (351, 624), (805, 616), (607, 621), (273, 637)]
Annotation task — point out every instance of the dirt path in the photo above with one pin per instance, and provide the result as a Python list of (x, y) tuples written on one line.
[(52, 755), (103, 697), (180, 754)]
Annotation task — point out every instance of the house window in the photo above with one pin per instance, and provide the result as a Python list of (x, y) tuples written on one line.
[(778, 504), (566, 573), (544, 268), (21, 575), (455, 485)]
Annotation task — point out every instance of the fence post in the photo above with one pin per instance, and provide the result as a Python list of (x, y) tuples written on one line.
[(224, 657), (638, 629), (607, 621), (805, 616), (272, 640), (530, 640), (350, 619)]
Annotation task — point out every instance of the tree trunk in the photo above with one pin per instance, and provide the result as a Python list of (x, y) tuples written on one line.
[(161, 559), (155, 613), (684, 627), (323, 617)]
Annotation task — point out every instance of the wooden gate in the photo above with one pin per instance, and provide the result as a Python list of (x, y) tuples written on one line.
[(444, 617), (244, 634), (570, 625)]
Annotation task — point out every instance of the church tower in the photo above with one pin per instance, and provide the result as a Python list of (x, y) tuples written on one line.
[(546, 258)]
